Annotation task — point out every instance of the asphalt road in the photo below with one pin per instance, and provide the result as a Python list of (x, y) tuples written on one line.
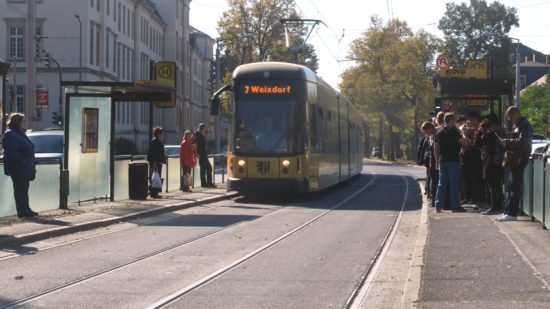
[(265, 253)]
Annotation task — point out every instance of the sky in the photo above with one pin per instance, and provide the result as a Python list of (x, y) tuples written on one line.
[(346, 20)]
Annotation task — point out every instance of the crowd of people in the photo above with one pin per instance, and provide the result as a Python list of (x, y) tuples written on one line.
[(192, 149), (468, 158)]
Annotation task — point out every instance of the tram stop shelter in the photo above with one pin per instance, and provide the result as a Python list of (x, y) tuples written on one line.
[(90, 119), (477, 94)]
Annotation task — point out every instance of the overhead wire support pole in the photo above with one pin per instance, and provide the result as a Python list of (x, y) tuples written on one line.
[(299, 21)]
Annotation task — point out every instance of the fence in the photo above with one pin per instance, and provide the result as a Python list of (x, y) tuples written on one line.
[(536, 190), (45, 191)]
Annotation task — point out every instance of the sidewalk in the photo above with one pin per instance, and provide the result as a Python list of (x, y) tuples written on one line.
[(472, 261), (90, 215)]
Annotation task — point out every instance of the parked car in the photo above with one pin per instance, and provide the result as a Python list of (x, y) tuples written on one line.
[(48, 145), (47, 142), (539, 138), (538, 148)]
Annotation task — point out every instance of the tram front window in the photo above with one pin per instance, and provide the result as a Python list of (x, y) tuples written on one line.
[(266, 127)]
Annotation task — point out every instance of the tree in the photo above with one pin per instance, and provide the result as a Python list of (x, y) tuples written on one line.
[(479, 30), (391, 82), (535, 105), (251, 31)]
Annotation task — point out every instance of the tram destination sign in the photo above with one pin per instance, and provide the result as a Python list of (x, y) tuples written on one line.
[(257, 89)]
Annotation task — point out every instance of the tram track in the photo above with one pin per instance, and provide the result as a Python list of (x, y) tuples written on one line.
[(165, 302), (174, 297), (98, 274), (149, 223)]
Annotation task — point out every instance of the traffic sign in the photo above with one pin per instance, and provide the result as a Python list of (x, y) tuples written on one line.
[(165, 73), (443, 61), (42, 98), (165, 76)]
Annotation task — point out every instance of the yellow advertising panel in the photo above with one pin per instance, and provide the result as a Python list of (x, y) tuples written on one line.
[(475, 68)]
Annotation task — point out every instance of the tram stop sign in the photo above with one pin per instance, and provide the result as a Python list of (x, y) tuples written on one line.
[(165, 76)]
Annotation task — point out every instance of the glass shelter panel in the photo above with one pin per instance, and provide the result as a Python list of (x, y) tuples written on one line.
[(43, 191), (89, 171)]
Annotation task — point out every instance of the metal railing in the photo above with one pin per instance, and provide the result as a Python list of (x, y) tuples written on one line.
[(535, 201)]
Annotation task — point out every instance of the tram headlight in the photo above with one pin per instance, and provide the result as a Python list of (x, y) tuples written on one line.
[(286, 163), (241, 163)]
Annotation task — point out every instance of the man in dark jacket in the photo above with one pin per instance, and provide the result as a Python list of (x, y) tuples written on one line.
[(156, 157), (522, 143), (448, 142), (202, 151), (491, 155), (19, 163)]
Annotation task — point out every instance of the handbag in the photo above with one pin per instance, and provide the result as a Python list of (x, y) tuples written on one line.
[(156, 182)]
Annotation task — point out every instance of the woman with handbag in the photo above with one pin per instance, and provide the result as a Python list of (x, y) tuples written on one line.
[(156, 157)]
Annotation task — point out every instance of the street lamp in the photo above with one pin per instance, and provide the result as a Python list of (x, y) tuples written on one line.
[(79, 48), (518, 79)]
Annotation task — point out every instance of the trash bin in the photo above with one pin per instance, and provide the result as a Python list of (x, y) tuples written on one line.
[(138, 180)]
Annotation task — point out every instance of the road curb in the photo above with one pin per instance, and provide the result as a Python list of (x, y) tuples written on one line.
[(60, 231), (411, 293)]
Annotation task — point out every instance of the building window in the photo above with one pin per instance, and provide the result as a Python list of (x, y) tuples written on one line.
[(114, 10), (20, 99), (107, 47), (98, 39), (119, 16), (119, 47), (124, 19), (114, 55), (92, 38), (523, 80), (16, 39), (97, 5), (128, 22), (108, 7), (92, 3)]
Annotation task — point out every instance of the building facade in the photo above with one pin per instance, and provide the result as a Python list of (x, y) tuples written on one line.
[(101, 40)]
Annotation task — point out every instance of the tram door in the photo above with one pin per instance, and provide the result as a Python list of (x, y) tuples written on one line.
[(344, 139), (89, 152)]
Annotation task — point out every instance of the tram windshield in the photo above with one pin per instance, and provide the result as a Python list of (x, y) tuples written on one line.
[(267, 126)]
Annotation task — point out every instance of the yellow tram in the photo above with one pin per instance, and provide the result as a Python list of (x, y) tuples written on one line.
[(291, 131)]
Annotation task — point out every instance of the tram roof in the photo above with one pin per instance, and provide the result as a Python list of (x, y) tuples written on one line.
[(274, 70)]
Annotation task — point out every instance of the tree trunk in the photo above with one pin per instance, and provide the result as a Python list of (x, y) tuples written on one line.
[(380, 138), (391, 148)]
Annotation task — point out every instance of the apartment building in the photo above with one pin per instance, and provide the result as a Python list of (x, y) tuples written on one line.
[(102, 40)]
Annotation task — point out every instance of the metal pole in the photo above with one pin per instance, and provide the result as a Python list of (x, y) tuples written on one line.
[(218, 82), (4, 66), (518, 77), (79, 48), (31, 62), (60, 109)]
